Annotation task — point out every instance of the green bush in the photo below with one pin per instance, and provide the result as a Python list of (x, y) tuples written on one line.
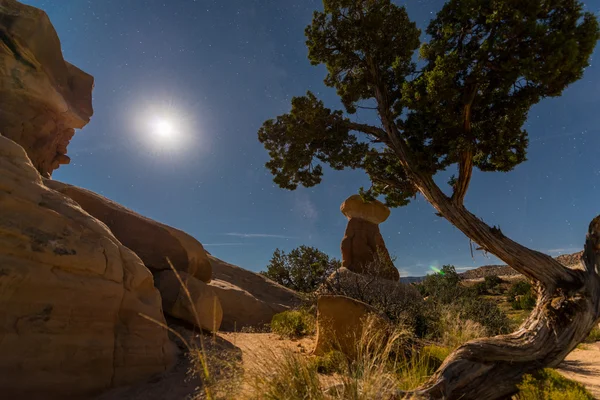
[(303, 269), (522, 296), (445, 293), (331, 362), (548, 384), (293, 324), (594, 335)]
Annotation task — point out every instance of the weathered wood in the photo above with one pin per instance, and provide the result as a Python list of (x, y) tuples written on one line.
[(491, 368)]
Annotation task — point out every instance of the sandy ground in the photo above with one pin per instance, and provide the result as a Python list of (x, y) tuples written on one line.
[(583, 366), (254, 351)]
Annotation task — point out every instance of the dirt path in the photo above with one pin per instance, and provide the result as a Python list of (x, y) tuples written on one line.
[(583, 366), (258, 347)]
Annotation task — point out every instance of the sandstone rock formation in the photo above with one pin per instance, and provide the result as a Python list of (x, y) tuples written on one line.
[(363, 247), (70, 295), (341, 323), (42, 97), (248, 299), (152, 241), (206, 312)]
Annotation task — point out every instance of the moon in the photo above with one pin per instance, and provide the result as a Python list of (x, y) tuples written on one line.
[(163, 129)]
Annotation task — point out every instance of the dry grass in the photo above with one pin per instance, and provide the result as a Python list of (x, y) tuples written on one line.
[(386, 362), (457, 331), (196, 349)]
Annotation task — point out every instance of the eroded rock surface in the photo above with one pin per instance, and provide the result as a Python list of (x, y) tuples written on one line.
[(342, 322), (363, 247), (43, 98), (152, 241), (71, 295), (206, 312), (248, 299)]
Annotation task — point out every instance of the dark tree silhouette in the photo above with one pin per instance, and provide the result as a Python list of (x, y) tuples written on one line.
[(462, 106)]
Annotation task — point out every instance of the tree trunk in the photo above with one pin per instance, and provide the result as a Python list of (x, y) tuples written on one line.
[(568, 305), (564, 315)]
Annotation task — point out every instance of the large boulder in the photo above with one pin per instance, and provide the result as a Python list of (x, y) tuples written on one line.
[(363, 247), (248, 299), (71, 295), (342, 323), (399, 301), (201, 308), (42, 97), (152, 241)]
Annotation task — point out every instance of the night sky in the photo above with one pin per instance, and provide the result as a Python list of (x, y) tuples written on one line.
[(215, 70)]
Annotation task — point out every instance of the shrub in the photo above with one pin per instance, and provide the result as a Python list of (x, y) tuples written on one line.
[(400, 302), (594, 335), (522, 296), (548, 384), (454, 330), (332, 362), (293, 324), (446, 294), (286, 376), (303, 269), (443, 286)]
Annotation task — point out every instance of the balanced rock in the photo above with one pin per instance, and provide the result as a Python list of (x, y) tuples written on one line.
[(152, 241), (202, 308), (248, 299), (342, 322), (363, 247), (71, 295), (42, 97)]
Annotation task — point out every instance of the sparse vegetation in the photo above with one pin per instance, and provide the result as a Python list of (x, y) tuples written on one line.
[(548, 384), (331, 362), (594, 335), (447, 296), (293, 324), (303, 269), (483, 66)]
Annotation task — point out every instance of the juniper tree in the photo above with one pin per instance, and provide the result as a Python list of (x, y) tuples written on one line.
[(462, 104)]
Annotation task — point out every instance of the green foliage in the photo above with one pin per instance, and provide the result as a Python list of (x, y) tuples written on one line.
[(444, 286), (594, 335), (492, 282), (446, 294), (548, 384), (484, 65), (331, 362), (522, 296), (302, 269), (293, 324)]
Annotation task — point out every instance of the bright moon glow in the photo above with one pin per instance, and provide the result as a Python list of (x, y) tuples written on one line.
[(164, 129)]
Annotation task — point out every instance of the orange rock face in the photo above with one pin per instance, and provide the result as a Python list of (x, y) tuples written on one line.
[(341, 322), (43, 98), (71, 295), (152, 241), (363, 247), (355, 207)]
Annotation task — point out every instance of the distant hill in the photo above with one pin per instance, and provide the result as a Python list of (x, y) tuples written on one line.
[(504, 270), (411, 279), (500, 270)]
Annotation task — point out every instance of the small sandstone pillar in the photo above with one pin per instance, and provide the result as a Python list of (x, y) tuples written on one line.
[(363, 247)]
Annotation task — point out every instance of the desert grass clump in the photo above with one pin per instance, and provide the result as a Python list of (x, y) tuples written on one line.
[(206, 366), (288, 375), (548, 384), (594, 335), (372, 372), (293, 324), (455, 330), (332, 362)]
